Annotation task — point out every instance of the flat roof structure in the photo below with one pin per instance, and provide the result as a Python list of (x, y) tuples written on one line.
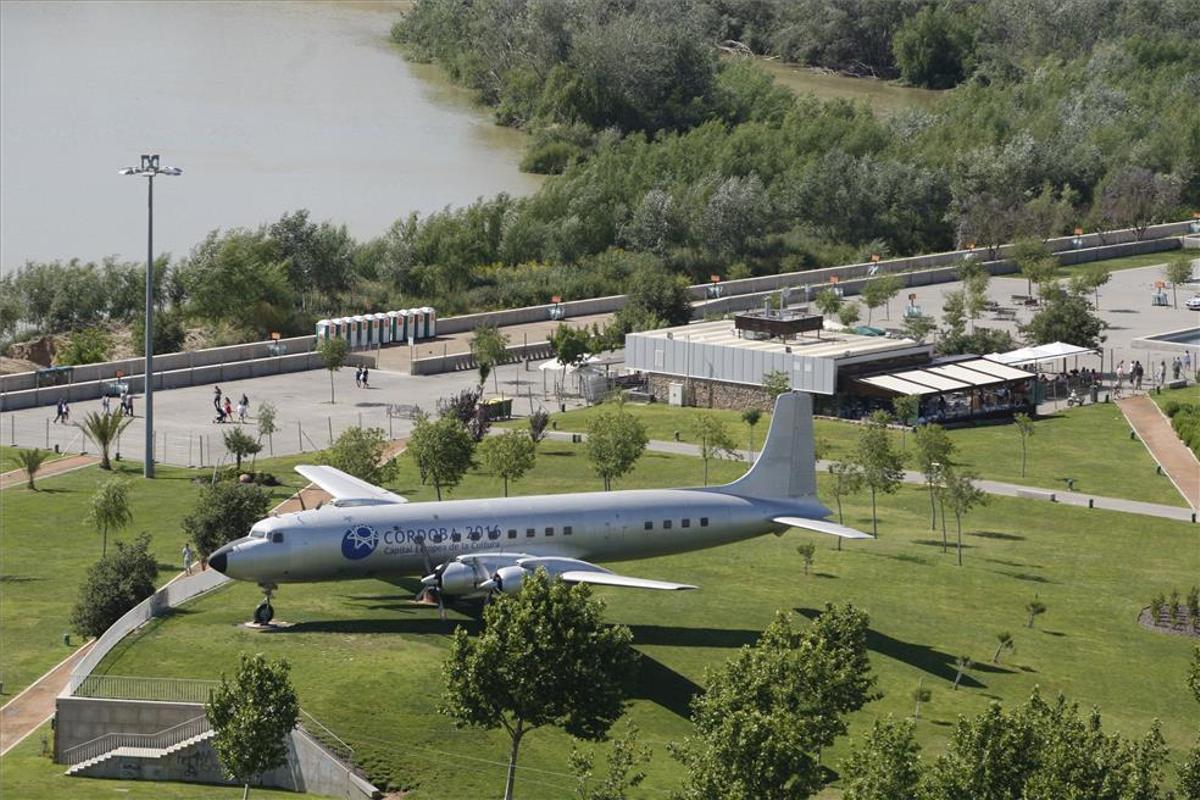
[(954, 377), (718, 351)]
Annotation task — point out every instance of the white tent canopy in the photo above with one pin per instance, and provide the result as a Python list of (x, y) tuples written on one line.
[(1042, 352)]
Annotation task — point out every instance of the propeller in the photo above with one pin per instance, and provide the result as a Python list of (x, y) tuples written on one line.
[(432, 580)]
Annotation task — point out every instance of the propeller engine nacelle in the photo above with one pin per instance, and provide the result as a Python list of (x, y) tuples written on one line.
[(509, 580), (457, 578)]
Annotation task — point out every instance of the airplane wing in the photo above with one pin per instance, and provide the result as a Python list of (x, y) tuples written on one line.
[(822, 526), (572, 570), (347, 490)]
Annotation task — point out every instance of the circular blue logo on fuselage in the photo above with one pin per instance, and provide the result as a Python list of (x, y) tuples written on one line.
[(359, 542)]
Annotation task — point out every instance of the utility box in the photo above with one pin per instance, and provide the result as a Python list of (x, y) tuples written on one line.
[(675, 394)]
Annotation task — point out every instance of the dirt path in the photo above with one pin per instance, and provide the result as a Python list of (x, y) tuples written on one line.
[(16, 477), (26, 712), (1155, 431)]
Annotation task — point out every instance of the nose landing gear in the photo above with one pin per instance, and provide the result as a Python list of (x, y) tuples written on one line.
[(265, 612)]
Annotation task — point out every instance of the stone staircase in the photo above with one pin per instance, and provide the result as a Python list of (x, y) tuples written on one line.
[(83, 758)]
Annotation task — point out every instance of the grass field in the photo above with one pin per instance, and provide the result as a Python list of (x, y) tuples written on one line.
[(884, 97), (1090, 444), (367, 661), (46, 547), (1116, 264)]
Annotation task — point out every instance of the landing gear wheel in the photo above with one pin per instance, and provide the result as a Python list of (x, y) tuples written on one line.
[(264, 613)]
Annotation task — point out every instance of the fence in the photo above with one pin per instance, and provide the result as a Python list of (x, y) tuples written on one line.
[(126, 687), (150, 741)]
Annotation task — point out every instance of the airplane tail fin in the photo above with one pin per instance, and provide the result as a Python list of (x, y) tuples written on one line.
[(786, 468)]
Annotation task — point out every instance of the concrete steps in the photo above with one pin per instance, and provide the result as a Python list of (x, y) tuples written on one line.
[(139, 752)]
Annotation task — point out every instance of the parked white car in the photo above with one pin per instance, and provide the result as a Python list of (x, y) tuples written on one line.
[(1193, 302)]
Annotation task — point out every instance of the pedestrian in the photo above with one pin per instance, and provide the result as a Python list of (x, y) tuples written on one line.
[(1121, 374), (1176, 368), (242, 407), (1187, 363), (66, 413), (217, 395), (1138, 373), (1162, 372), (58, 411), (228, 409), (129, 405), (105, 404), (358, 375), (364, 377), (187, 558)]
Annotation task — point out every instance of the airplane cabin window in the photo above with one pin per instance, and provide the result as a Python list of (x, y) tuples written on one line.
[(530, 531), (566, 530), (666, 524), (277, 537), (512, 533), (649, 525), (704, 522), (685, 523), (549, 531)]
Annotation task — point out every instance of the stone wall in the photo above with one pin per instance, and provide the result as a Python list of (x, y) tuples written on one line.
[(711, 394)]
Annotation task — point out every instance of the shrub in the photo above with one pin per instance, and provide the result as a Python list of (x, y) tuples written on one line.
[(359, 452), (115, 584), (550, 158), (87, 346), (223, 512), (1171, 407), (1156, 607)]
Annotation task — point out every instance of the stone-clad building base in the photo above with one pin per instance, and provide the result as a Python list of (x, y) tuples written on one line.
[(711, 394)]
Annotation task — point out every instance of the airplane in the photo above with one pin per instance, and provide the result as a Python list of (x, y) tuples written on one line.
[(467, 549)]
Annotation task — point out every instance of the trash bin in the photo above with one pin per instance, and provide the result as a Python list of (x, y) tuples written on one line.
[(1095, 392)]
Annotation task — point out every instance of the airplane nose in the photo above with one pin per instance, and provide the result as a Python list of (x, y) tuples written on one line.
[(218, 561)]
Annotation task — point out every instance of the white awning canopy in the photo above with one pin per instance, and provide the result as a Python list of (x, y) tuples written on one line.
[(1042, 352), (956, 377)]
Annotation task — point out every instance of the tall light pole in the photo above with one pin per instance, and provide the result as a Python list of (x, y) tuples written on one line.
[(149, 169)]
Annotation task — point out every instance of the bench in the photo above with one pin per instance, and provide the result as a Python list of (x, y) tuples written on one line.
[(403, 411)]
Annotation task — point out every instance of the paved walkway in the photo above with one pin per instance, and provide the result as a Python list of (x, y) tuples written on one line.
[(16, 477), (991, 487), (1155, 431), (30, 709)]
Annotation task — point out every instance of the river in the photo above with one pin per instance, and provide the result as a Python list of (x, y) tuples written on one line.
[(267, 107)]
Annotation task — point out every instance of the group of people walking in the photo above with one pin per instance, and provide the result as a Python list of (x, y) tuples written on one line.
[(360, 377), (126, 406), (225, 409), (1135, 373)]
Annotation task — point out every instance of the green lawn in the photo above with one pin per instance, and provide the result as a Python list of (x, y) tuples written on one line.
[(1090, 444), (8, 453), (1116, 264), (1190, 394), (46, 547), (26, 774), (366, 661), (884, 97)]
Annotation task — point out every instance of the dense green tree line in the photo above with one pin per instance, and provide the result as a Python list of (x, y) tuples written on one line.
[(676, 163)]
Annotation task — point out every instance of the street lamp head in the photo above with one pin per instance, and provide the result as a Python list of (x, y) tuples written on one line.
[(149, 168), (127, 171)]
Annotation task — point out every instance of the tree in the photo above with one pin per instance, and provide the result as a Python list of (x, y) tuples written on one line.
[(86, 346), (113, 585), (267, 425), (624, 773), (808, 552), (169, 333), (920, 694), (887, 764), (881, 466), (509, 455), (1193, 678), (443, 451), (1034, 608), (1024, 430), (933, 450), (544, 657), (252, 717), (1178, 270), (1035, 261), (935, 47), (776, 382), (489, 347), (918, 326), (360, 452), (715, 441), (962, 495), (570, 345), (907, 408), (751, 416), (1065, 316), (109, 509), (103, 429), (828, 302), (538, 421), (847, 480), (615, 441), (333, 355), (240, 444), (1004, 641), (848, 314), (881, 291), (1095, 276), (31, 461), (1135, 196), (961, 665), (767, 713), (224, 511)]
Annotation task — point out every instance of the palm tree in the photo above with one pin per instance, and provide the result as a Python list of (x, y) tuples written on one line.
[(961, 665), (1006, 642), (30, 461), (110, 508), (103, 430), (1034, 608)]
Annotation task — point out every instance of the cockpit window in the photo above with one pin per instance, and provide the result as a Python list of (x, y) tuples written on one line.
[(257, 533), (277, 537)]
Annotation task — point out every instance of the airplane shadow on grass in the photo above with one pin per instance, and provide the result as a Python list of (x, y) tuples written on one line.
[(923, 657)]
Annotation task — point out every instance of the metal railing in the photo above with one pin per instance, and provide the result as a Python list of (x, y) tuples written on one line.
[(126, 687), (161, 740), (327, 738)]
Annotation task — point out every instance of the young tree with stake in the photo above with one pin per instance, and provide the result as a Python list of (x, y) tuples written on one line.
[(847, 480), (907, 408), (1034, 608), (490, 349), (751, 417), (615, 441), (880, 464), (333, 355), (509, 455), (267, 424), (1024, 430), (252, 715), (1178, 270), (933, 449), (443, 451), (240, 445), (545, 657), (807, 552), (715, 441), (1004, 641), (962, 495)]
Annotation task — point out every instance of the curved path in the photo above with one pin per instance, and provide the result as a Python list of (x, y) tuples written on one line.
[(16, 477), (1155, 431)]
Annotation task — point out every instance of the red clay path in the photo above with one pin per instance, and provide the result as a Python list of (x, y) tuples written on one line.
[(16, 477), (1155, 431), (23, 714)]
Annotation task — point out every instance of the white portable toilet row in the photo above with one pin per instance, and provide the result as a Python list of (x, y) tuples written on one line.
[(369, 330)]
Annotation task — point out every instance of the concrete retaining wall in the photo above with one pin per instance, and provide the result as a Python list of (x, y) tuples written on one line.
[(81, 719), (456, 362)]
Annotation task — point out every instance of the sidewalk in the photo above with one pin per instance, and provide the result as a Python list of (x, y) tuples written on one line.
[(16, 477), (26, 712), (1155, 431)]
